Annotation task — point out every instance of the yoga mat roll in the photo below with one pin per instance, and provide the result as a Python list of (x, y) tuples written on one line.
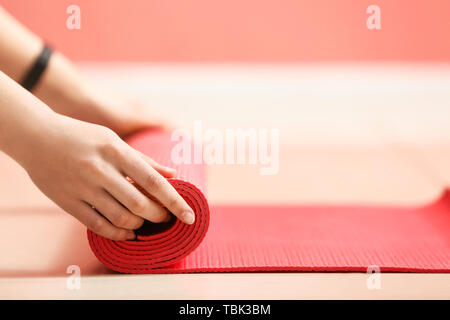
[(159, 244), (279, 237)]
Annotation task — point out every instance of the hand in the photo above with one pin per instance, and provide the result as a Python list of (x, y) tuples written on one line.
[(68, 93), (123, 115), (84, 167)]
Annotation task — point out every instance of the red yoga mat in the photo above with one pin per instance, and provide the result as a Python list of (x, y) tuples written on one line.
[(278, 238)]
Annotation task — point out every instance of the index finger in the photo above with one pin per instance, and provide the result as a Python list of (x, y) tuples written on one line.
[(156, 185)]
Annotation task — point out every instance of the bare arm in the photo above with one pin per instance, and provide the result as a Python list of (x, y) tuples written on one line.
[(62, 87), (83, 167)]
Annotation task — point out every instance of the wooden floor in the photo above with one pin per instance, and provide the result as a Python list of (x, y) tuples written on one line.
[(349, 134)]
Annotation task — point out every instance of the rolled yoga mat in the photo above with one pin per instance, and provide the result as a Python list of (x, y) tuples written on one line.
[(278, 238)]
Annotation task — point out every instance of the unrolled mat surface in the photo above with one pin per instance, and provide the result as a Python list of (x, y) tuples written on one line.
[(278, 238)]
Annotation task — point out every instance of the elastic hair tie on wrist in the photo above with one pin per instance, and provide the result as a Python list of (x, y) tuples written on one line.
[(35, 73)]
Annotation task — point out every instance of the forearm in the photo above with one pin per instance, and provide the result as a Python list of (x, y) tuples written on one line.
[(22, 119), (18, 47), (60, 83), (63, 89)]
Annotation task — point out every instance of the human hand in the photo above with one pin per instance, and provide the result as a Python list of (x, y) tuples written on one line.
[(68, 93), (84, 167), (121, 114)]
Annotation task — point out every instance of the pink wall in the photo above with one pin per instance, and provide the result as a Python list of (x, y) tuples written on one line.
[(242, 30)]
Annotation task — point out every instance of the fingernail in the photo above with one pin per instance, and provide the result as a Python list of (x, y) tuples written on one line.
[(131, 235), (188, 217)]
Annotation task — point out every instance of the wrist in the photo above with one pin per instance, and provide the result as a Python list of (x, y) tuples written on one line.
[(22, 118), (33, 137)]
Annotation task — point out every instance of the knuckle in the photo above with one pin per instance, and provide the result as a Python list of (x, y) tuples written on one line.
[(112, 149), (175, 204), (96, 225), (92, 166), (139, 223), (152, 181), (121, 220), (138, 206), (159, 218), (119, 235)]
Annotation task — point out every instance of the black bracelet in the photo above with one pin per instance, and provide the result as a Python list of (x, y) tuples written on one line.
[(34, 74)]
